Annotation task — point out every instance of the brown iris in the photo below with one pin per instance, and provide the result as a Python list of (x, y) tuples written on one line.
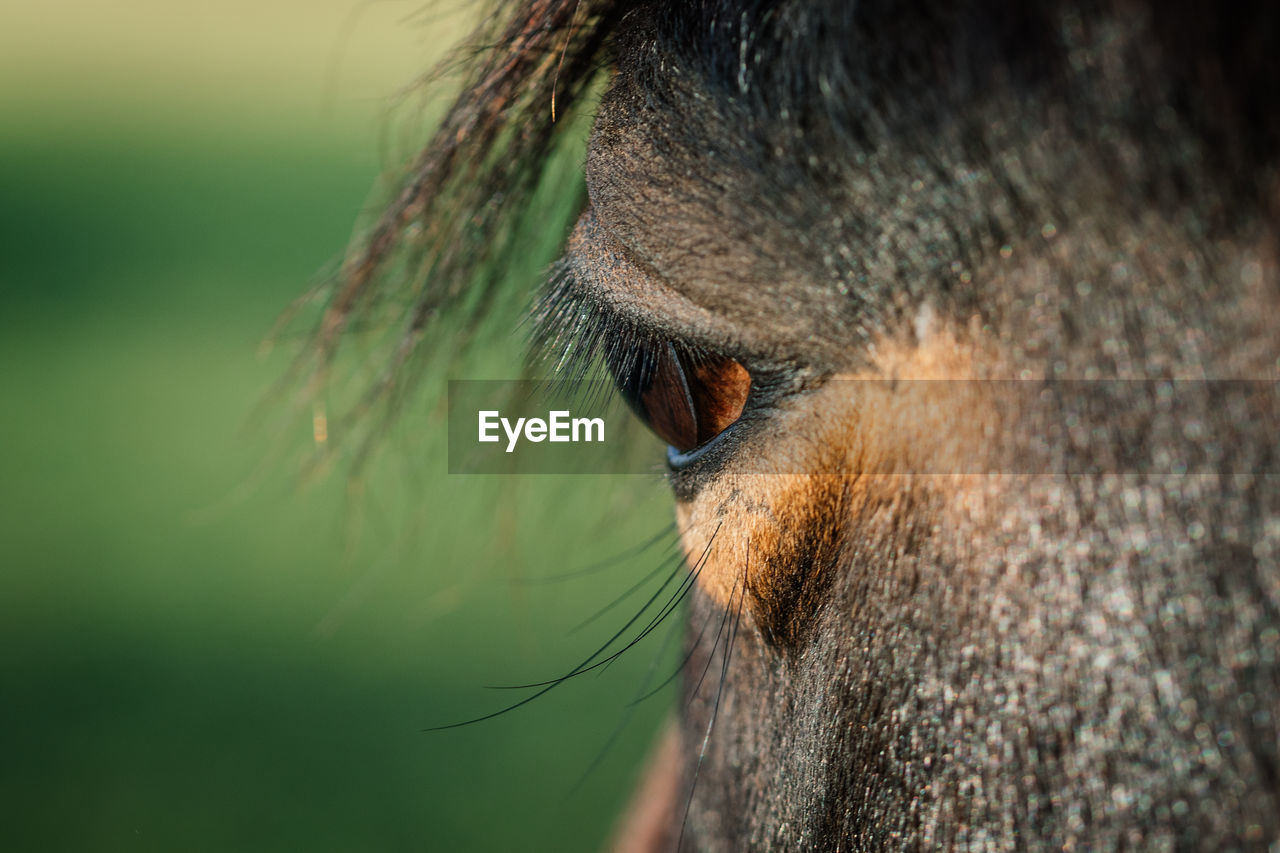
[(687, 399)]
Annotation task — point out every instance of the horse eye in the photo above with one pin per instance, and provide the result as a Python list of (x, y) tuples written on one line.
[(687, 399)]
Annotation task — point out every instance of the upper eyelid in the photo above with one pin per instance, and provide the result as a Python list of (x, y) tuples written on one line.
[(593, 254), (622, 292)]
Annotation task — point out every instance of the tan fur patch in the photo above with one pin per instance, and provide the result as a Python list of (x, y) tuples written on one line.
[(859, 448)]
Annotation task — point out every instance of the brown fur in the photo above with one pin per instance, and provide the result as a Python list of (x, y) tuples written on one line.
[(960, 616), (864, 444)]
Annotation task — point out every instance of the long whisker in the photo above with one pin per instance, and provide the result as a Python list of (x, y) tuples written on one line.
[(724, 620), (724, 677), (602, 564), (672, 603), (586, 665), (624, 596), (628, 710), (683, 663)]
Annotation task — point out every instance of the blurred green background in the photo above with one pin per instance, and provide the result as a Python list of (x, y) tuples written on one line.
[(199, 648)]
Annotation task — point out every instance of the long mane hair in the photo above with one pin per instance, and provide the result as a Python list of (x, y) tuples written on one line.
[(437, 254)]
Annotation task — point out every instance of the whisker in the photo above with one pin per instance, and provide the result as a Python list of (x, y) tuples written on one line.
[(715, 708), (644, 692), (628, 711), (687, 585), (624, 596), (586, 665), (602, 564), (724, 620), (683, 663), (672, 603), (687, 657)]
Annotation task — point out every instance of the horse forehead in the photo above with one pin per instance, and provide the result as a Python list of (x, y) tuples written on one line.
[(750, 226), (693, 180)]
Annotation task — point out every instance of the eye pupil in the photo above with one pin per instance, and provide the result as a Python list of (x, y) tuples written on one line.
[(686, 399)]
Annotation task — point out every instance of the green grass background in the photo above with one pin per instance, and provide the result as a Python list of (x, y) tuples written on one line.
[(199, 649)]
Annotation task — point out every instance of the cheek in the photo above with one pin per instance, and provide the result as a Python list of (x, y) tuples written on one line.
[(769, 537), (850, 464)]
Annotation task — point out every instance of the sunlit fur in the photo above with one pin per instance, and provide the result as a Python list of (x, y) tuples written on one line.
[(828, 190)]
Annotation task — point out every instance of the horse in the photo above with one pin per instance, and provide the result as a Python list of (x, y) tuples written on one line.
[(957, 319)]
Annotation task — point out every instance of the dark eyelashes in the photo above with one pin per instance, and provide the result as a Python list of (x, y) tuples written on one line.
[(581, 339), (686, 395)]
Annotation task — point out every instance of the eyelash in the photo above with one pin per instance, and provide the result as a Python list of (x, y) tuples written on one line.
[(585, 340), (688, 396)]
